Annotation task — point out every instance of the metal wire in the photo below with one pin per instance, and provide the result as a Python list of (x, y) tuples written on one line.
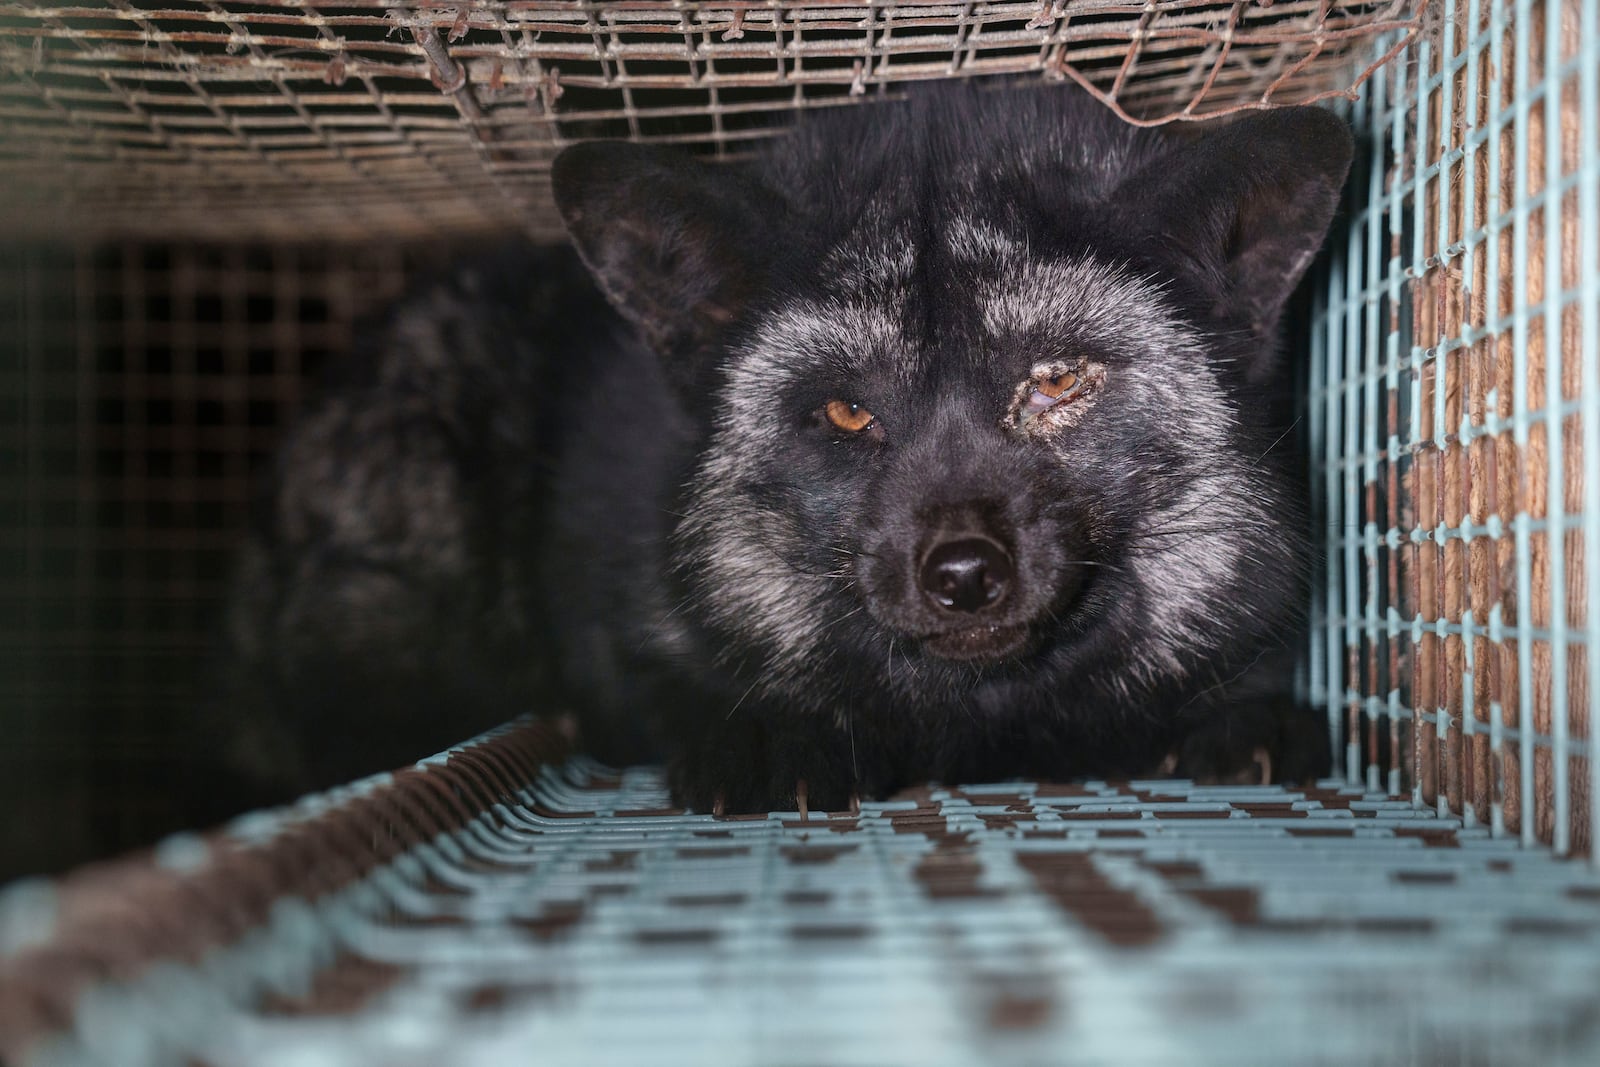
[(1455, 430), (498, 902), (291, 119)]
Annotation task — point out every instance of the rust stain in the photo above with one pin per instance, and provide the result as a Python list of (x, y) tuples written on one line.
[(829, 931), (615, 861), (1073, 881), (713, 853), (555, 919), (675, 938), (815, 854), (344, 986), (708, 900)]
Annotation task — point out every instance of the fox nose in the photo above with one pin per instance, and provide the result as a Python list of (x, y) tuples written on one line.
[(967, 575)]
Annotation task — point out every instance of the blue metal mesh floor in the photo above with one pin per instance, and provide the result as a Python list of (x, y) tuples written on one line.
[(460, 915)]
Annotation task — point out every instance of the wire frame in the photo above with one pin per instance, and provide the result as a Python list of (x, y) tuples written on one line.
[(501, 898), (290, 119), (1455, 420)]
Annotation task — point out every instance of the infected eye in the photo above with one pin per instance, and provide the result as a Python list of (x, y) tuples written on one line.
[(1054, 387), (851, 418), (1048, 392)]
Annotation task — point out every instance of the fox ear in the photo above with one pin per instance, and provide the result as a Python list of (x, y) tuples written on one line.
[(677, 246), (1249, 205)]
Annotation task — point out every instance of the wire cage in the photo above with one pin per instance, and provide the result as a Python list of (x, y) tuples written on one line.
[(289, 119), (210, 195), (1452, 412), (504, 903), (203, 197)]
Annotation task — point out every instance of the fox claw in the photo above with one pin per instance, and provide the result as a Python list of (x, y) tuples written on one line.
[(1263, 760)]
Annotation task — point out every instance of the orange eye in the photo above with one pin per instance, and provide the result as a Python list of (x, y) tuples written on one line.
[(1054, 387), (851, 418)]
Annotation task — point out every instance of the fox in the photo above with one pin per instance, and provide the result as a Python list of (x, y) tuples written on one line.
[(948, 439)]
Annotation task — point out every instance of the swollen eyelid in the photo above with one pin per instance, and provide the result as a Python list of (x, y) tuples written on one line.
[(1038, 403), (1048, 392)]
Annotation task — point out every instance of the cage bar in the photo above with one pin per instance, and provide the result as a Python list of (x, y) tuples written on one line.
[(1489, 160), (1589, 215), (505, 897), (283, 119)]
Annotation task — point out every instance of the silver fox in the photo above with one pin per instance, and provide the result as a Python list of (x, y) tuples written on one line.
[(946, 440)]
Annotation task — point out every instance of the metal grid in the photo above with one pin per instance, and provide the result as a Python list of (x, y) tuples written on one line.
[(498, 904), (1453, 413), (230, 120), (141, 386)]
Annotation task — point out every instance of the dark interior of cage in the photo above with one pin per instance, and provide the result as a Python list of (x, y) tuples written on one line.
[(145, 386)]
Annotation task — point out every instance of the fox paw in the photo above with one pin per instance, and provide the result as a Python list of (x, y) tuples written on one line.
[(738, 790), (1252, 745)]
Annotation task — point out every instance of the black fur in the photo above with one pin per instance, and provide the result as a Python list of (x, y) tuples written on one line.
[(520, 499)]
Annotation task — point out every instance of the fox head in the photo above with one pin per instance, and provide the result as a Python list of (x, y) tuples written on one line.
[(986, 385)]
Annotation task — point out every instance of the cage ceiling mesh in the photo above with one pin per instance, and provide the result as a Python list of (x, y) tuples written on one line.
[(290, 118)]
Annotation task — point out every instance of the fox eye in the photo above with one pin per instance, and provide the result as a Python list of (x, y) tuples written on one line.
[(1054, 387), (851, 418), (1048, 392)]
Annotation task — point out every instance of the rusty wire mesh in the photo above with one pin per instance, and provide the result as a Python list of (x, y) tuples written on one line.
[(217, 119)]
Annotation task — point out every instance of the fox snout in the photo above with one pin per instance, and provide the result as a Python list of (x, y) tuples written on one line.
[(966, 575), (966, 579)]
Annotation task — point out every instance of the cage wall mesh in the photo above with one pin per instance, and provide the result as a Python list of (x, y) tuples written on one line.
[(1454, 420), (288, 118), (142, 387)]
